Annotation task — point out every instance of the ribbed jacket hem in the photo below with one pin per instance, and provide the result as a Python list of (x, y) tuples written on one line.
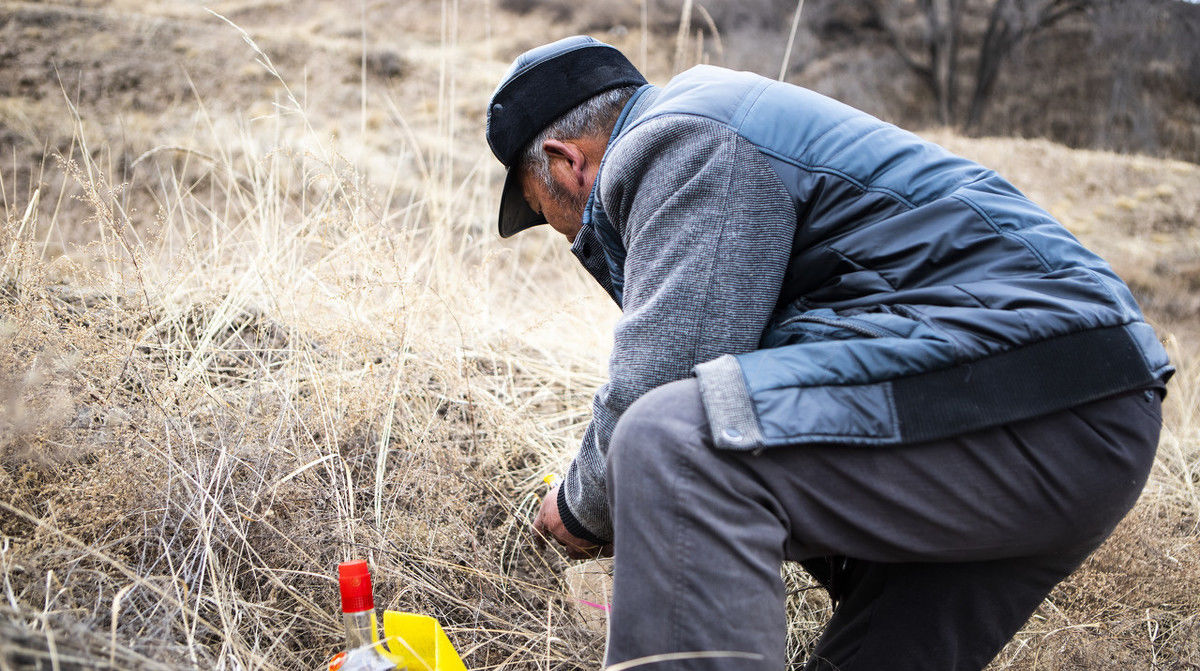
[(727, 402)]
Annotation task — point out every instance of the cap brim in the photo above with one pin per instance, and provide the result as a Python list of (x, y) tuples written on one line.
[(515, 213)]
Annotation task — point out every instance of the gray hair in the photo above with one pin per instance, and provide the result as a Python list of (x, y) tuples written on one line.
[(595, 116)]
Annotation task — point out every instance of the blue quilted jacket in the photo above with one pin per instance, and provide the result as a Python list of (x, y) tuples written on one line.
[(925, 295)]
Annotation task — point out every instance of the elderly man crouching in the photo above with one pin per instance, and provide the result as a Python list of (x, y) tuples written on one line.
[(839, 345)]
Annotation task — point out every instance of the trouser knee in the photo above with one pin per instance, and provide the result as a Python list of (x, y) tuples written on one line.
[(651, 433)]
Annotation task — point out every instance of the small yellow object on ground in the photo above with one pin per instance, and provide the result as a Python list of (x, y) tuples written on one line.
[(419, 642)]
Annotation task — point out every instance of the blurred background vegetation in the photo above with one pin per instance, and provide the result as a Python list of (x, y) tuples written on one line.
[(1104, 74)]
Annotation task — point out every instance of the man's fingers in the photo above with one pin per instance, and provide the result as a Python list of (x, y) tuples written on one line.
[(547, 524), (580, 553), (545, 519), (576, 550), (540, 532)]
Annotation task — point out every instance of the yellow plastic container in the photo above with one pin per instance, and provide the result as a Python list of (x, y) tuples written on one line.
[(418, 642)]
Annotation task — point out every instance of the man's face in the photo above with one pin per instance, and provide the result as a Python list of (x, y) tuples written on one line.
[(562, 207)]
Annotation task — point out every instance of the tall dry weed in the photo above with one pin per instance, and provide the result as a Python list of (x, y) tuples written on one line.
[(284, 368)]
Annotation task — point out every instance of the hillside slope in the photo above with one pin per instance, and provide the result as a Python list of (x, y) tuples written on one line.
[(254, 321)]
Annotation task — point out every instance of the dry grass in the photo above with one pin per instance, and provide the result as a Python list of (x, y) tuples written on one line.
[(259, 332)]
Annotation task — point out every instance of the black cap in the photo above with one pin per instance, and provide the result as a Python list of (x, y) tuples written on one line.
[(543, 84)]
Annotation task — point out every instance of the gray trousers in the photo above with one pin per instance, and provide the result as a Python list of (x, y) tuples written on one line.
[(935, 553)]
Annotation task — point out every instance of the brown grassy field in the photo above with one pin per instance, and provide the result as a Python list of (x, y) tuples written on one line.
[(254, 321)]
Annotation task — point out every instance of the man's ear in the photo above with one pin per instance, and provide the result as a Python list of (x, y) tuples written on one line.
[(571, 155)]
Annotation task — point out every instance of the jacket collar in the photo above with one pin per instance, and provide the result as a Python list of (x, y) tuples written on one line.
[(637, 105)]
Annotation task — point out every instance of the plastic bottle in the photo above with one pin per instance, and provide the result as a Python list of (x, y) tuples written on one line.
[(362, 651)]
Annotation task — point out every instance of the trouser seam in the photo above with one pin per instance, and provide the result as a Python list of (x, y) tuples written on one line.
[(683, 541)]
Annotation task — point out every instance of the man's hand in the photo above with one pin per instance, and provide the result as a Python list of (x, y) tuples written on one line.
[(549, 524)]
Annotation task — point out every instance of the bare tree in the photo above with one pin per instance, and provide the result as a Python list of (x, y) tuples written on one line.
[(929, 38), (1012, 22)]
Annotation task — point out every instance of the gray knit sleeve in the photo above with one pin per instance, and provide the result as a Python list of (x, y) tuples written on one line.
[(708, 228)]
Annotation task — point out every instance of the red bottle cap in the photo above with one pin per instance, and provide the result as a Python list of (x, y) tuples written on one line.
[(354, 579)]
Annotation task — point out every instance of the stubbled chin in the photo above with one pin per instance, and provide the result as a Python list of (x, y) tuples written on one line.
[(571, 235)]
